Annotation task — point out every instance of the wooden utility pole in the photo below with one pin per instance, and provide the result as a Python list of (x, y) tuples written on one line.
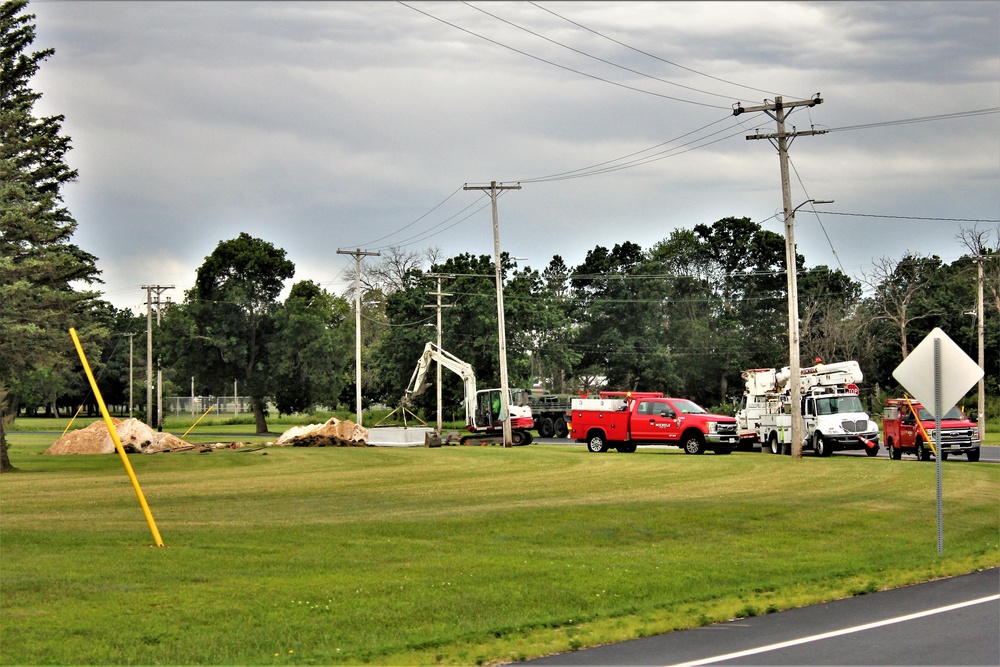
[(780, 140), (439, 306), (504, 391), (159, 289), (981, 404), (358, 254)]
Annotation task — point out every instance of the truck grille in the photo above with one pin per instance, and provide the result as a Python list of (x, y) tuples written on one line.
[(854, 426), (958, 436), (726, 428)]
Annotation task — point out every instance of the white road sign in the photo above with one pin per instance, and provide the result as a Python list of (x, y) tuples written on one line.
[(958, 372)]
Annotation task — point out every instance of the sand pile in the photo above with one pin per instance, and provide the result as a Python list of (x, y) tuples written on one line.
[(334, 433), (135, 436)]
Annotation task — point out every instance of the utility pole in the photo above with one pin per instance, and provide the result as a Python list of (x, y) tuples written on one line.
[(131, 374), (981, 406), (504, 391), (159, 289), (358, 254), (439, 306), (780, 140)]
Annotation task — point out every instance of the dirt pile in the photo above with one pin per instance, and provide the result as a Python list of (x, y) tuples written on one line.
[(135, 436), (333, 433)]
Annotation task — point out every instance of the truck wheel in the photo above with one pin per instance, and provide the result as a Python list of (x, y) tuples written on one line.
[(518, 438), (871, 451), (944, 456), (693, 444), (626, 449), (774, 445), (597, 444), (562, 430), (894, 454), (820, 445), (973, 454), (923, 453), (545, 427)]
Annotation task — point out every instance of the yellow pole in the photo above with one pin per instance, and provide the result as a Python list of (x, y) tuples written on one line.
[(920, 424), (114, 436), (196, 423), (72, 420)]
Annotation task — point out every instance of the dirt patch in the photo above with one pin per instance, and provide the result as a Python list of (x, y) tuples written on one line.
[(333, 433), (135, 436)]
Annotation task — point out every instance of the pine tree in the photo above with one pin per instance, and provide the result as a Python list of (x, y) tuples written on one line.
[(38, 264)]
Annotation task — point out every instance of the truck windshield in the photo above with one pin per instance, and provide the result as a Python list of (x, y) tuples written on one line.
[(688, 408), (834, 405), (954, 413)]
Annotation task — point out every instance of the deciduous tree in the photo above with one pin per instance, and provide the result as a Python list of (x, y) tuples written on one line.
[(225, 328)]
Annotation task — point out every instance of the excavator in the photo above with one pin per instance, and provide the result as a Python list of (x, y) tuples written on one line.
[(484, 416)]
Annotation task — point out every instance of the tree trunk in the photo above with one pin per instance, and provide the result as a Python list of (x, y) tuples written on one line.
[(258, 415), (5, 465)]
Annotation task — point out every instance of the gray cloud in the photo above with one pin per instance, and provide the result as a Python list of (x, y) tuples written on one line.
[(319, 125)]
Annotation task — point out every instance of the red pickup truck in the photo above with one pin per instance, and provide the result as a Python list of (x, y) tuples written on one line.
[(903, 434), (623, 420)]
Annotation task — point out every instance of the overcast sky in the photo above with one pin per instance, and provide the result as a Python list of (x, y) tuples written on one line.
[(322, 126)]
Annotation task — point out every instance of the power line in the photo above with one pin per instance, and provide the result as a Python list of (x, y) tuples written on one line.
[(911, 217), (598, 58), (564, 67), (922, 119), (646, 53), (372, 243), (662, 155), (816, 213)]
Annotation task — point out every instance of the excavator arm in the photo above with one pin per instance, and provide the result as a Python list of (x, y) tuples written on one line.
[(418, 382)]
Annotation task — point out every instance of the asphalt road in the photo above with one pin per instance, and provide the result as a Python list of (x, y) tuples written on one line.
[(953, 621)]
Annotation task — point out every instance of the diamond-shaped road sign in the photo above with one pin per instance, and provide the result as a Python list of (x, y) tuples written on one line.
[(958, 372)]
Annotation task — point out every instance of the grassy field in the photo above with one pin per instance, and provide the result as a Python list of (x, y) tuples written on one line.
[(457, 555)]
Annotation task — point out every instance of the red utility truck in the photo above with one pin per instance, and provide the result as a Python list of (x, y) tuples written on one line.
[(902, 433), (623, 420)]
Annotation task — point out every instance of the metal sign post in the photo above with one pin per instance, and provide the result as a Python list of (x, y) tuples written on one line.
[(920, 374)]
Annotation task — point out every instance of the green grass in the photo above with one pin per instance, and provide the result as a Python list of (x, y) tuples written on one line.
[(457, 555)]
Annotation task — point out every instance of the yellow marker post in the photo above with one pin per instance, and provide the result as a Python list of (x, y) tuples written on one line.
[(920, 425), (196, 423), (78, 411), (114, 436)]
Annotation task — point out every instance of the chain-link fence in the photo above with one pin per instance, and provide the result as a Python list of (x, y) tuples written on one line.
[(198, 405)]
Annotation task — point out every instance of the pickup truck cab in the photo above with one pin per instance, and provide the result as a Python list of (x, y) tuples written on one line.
[(624, 420), (902, 434)]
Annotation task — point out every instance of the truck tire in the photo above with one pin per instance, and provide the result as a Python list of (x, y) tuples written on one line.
[(627, 449), (596, 443), (545, 427), (693, 443), (820, 445), (894, 454), (923, 453), (973, 455), (944, 456), (773, 444), (871, 451), (562, 430)]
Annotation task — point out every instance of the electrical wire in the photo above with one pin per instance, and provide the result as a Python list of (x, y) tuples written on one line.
[(439, 205), (563, 67), (598, 58), (922, 119), (662, 155), (912, 217), (650, 55), (818, 219)]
